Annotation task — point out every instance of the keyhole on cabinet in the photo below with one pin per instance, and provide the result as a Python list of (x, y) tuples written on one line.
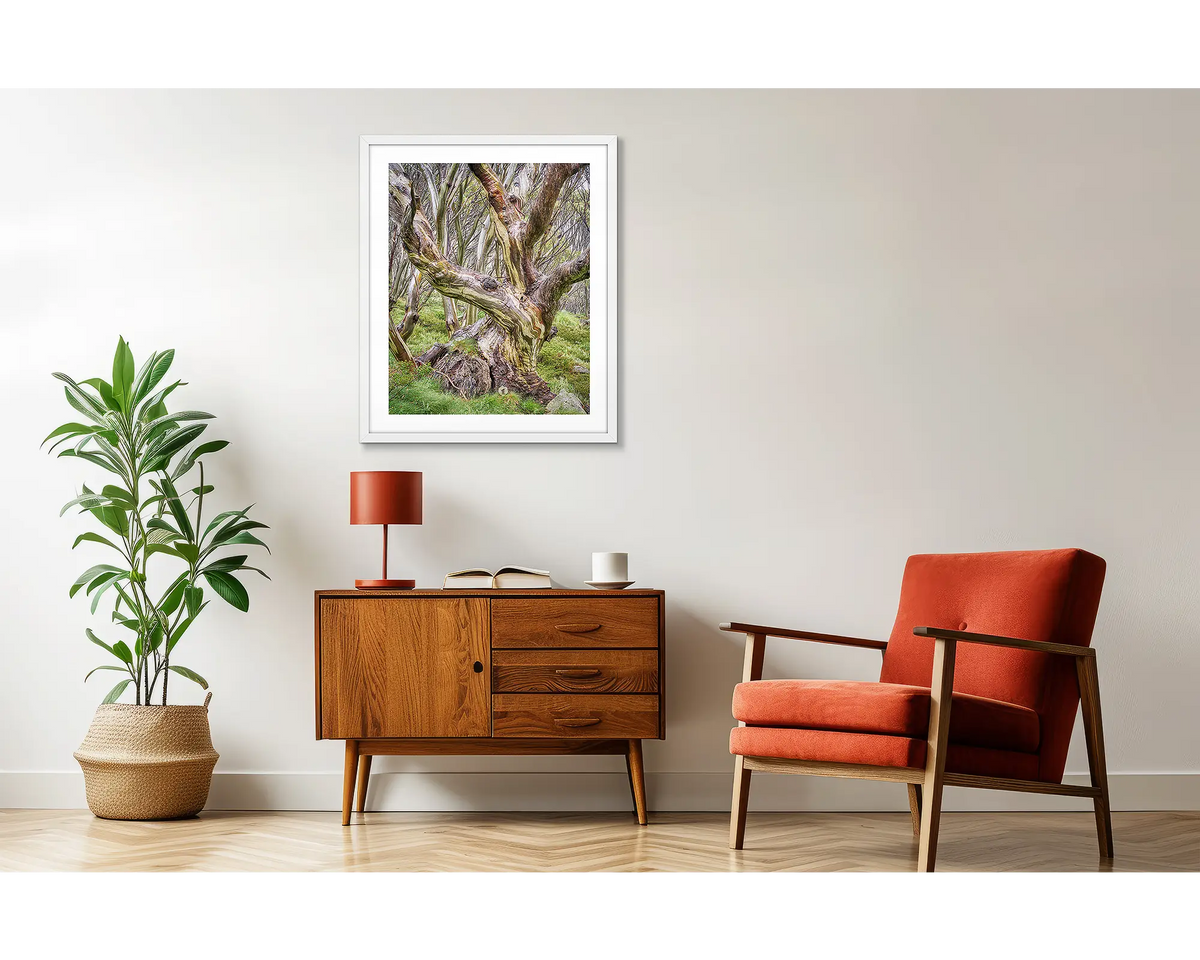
[(478, 668)]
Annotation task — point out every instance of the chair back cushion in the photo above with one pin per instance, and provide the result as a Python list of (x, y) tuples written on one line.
[(1049, 595)]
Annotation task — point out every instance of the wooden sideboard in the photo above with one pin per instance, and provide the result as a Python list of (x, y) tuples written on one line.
[(441, 672)]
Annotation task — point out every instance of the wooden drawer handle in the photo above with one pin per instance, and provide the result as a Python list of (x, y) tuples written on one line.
[(577, 721), (577, 627), (578, 673)]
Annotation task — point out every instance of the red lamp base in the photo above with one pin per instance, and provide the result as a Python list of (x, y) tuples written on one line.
[(385, 584)]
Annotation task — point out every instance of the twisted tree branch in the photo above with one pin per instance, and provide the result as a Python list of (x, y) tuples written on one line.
[(559, 280), (447, 278), (543, 204)]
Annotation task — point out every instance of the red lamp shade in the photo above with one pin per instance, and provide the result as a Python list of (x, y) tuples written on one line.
[(385, 497)]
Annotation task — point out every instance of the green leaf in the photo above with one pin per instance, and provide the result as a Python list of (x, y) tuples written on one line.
[(153, 370), (168, 549), (90, 574), (209, 446), (112, 517), (206, 489), (91, 407), (246, 538), (261, 573), (123, 374), (174, 596), (119, 495), (114, 694), (181, 415), (189, 551), (154, 407), (105, 667), (156, 635), (225, 564), (222, 536), (229, 589), (93, 538), (104, 442), (160, 535), (177, 510), (192, 597), (96, 458), (85, 408), (190, 674), (101, 580), (112, 582), (220, 518), (162, 451), (70, 429), (124, 596), (105, 391), (122, 650), (98, 642), (85, 500)]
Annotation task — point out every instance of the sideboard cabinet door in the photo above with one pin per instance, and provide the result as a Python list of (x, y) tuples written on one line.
[(404, 668)]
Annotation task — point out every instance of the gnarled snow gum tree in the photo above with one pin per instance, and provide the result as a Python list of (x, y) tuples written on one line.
[(519, 303)]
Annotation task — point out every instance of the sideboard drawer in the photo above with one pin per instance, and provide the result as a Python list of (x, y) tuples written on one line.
[(575, 622), (575, 671), (574, 715)]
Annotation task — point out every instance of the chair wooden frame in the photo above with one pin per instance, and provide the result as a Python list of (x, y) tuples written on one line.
[(925, 785)]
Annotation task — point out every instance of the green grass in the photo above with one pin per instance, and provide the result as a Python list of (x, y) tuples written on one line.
[(423, 392)]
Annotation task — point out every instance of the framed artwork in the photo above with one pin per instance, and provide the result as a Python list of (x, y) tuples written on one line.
[(488, 289)]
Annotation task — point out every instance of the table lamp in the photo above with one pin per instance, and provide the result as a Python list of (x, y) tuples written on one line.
[(386, 497)]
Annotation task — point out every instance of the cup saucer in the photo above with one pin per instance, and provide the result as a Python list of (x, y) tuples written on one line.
[(609, 584)]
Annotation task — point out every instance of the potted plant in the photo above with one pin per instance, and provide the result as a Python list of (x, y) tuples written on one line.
[(149, 760)]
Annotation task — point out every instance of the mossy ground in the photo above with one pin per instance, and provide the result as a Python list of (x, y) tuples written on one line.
[(423, 391)]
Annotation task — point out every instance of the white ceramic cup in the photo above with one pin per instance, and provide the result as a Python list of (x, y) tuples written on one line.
[(610, 567)]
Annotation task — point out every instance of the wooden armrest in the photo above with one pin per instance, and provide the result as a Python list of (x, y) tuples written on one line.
[(754, 628), (1069, 649)]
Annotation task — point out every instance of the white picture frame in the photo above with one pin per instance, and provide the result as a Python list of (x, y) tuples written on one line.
[(376, 423)]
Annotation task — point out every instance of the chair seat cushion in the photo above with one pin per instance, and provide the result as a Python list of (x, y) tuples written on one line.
[(890, 709), (877, 750)]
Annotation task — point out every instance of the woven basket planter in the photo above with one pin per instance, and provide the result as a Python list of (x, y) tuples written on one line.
[(147, 763)]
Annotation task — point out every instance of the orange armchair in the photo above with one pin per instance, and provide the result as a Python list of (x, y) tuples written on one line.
[(988, 660)]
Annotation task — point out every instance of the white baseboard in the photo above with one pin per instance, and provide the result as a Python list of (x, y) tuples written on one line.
[(600, 792)]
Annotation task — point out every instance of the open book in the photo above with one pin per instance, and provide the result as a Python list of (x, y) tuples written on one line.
[(506, 578)]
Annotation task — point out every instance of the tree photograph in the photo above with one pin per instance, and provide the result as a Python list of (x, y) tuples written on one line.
[(489, 268)]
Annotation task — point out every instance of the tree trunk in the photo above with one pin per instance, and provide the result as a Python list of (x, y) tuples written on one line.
[(512, 357), (452, 322), (398, 333)]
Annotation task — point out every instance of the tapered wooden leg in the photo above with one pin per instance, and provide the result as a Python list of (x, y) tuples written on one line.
[(914, 807), (741, 798), (940, 692), (348, 779), (638, 779), (1093, 730), (364, 776), (632, 792)]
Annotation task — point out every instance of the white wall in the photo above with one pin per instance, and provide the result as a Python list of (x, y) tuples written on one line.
[(854, 326)]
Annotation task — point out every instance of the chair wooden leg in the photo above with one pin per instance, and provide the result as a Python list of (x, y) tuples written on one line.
[(348, 779), (629, 774), (741, 797), (935, 752), (914, 807), (364, 777), (1093, 730), (638, 776)]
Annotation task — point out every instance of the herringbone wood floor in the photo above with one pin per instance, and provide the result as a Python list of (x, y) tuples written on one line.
[(75, 840)]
